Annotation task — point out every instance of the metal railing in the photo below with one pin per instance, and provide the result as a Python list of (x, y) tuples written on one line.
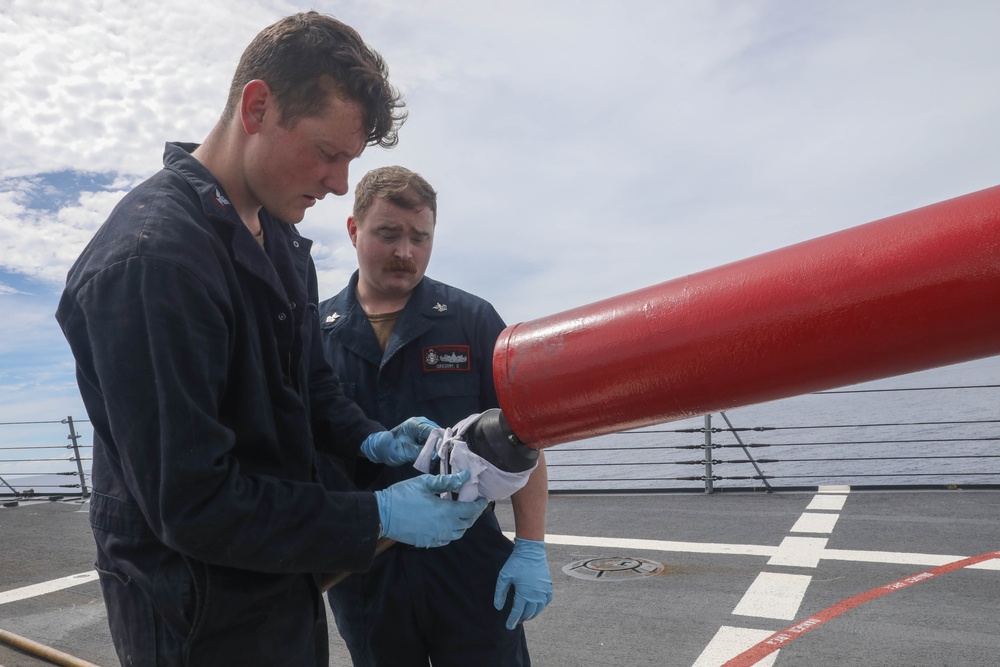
[(947, 438), (24, 473), (926, 442)]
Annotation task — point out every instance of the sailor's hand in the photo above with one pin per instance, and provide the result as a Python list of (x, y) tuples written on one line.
[(399, 446), (412, 511), (527, 571)]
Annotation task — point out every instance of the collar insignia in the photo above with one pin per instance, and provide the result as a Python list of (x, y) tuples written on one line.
[(440, 307), (220, 199), (332, 317)]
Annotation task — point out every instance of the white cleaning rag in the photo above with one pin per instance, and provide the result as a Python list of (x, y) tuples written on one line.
[(485, 479)]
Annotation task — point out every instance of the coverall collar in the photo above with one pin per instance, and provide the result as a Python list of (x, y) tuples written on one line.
[(246, 251), (345, 319)]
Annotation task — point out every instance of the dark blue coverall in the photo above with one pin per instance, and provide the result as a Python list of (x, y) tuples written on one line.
[(415, 603), (199, 362)]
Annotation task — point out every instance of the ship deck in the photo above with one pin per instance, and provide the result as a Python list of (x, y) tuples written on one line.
[(828, 577)]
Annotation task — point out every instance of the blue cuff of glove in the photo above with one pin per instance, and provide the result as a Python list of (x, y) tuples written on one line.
[(384, 511), (529, 547), (369, 444)]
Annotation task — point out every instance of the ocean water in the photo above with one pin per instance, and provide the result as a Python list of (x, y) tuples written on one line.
[(870, 434), (853, 436)]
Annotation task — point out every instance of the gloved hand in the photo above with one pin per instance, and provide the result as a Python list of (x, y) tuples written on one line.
[(412, 512), (528, 572), (399, 446)]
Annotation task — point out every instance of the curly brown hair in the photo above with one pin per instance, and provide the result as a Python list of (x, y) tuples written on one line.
[(297, 54), (404, 188)]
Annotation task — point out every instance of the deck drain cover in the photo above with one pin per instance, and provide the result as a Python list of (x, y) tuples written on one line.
[(612, 568)]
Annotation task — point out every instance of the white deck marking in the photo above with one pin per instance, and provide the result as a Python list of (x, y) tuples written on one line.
[(779, 595), (986, 565), (900, 557), (774, 595), (887, 557), (729, 642), (47, 587), (810, 522), (659, 545), (799, 552), (827, 502)]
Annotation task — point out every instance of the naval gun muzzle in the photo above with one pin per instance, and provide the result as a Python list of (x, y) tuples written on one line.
[(492, 439)]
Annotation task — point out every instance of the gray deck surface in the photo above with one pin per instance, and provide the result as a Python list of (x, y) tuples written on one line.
[(714, 549)]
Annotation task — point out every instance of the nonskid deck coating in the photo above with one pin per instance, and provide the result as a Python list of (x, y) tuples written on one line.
[(738, 568)]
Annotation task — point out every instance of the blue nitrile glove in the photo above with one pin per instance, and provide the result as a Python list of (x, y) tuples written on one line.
[(399, 446), (528, 572), (412, 512)]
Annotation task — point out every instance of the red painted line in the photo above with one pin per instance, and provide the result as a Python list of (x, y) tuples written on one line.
[(759, 651)]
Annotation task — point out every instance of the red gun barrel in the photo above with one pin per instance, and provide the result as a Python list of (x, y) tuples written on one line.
[(906, 293)]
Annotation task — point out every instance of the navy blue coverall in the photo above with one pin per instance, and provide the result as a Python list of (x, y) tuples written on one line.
[(199, 362), (415, 603)]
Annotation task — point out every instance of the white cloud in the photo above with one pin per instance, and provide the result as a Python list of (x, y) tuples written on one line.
[(581, 149), (43, 245), (100, 85), (611, 146), (597, 147)]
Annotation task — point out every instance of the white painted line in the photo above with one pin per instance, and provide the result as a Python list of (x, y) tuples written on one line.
[(47, 587), (774, 595), (985, 565), (815, 523), (760, 550), (827, 502), (895, 557), (834, 489), (729, 642), (892, 557), (659, 545), (799, 552)]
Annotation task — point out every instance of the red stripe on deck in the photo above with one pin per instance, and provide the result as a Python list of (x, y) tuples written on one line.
[(756, 653)]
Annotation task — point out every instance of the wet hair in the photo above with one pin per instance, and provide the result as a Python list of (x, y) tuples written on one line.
[(399, 185), (301, 56)]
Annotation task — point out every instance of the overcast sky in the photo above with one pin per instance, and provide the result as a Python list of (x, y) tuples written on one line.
[(580, 149)]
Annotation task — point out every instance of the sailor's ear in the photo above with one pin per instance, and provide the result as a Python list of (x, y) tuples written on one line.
[(255, 104)]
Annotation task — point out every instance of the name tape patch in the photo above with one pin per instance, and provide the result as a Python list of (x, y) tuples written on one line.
[(446, 358)]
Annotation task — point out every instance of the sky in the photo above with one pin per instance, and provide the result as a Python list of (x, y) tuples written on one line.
[(580, 149)]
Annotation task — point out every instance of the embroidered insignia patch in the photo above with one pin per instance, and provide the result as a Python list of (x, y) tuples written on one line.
[(220, 200), (446, 358)]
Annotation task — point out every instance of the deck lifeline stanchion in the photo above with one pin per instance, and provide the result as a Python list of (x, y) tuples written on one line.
[(708, 454), (76, 454), (12, 489)]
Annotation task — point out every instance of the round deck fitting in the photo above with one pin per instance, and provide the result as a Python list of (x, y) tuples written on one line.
[(613, 568)]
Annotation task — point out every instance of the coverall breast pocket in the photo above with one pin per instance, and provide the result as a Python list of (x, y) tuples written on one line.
[(449, 397)]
